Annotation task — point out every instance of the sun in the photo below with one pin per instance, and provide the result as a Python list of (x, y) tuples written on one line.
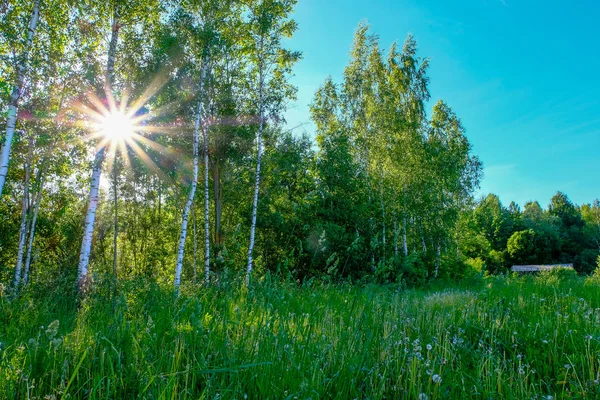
[(116, 126)]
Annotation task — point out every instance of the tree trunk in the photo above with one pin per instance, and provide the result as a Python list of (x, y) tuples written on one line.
[(195, 263), (24, 210), (90, 218), (36, 209), (438, 260), (112, 52), (116, 216), (258, 161), (404, 238), (395, 238), (206, 211), (218, 199), (15, 96), (190, 200)]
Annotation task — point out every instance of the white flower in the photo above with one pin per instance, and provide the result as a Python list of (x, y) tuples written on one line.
[(436, 379), (429, 347), (423, 396), (52, 329)]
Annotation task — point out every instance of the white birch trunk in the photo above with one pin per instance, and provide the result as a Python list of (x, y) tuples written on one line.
[(206, 212), (257, 180), (438, 260), (36, 209), (190, 200), (24, 209), (15, 95), (116, 216), (90, 217), (404, 238), (395, 239), (112, 52), (195, 263)]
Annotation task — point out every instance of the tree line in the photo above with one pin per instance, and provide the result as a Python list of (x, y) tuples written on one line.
[(496, 236), (212, 183)]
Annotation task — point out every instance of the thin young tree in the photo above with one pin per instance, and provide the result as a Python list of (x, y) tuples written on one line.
[(16, 94), (24, 212), (268, 24), (194, 183), (88, 231)]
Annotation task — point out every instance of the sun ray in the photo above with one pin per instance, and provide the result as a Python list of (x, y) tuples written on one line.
[(146, 159), (159, 81)]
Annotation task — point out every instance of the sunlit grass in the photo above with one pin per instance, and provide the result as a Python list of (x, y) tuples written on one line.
[(498, 338)]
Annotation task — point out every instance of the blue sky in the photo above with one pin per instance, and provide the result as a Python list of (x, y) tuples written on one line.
[(524, 77)]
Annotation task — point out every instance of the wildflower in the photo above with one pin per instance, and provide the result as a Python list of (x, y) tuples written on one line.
[(52, 329), (429, 347), (423, 396), (521, 371), (567, 366), (588, 337), (436, 379)]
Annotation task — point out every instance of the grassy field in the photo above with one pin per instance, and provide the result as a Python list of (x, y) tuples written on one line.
[(500, 338)]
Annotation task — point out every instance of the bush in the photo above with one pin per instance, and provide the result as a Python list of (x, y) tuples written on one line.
[(558, 275)]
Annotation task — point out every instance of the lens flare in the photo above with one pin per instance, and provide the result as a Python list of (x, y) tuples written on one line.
[(117, 127)]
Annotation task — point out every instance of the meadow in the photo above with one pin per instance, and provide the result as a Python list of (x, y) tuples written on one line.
[(493, 337)]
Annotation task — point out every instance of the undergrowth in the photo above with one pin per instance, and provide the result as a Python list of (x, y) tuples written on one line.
[(501, 337)]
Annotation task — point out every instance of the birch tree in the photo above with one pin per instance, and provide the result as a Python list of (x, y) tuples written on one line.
[(194, 183), (16, 93), (268, 23), (24, 212), (199, 21), (90, 219)]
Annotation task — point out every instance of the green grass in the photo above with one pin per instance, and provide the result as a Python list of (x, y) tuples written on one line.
[(521, 338)]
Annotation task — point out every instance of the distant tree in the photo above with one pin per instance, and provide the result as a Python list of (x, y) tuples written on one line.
[(522, 247)]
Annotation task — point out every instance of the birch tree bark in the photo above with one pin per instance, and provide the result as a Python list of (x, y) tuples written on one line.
[(36, 208), (195, 263), (395, 239), (90, 218), (438, 259), (258, 162), (190, 200), (116, 216), (16, 95), (24, 210), (206, 211), (404, 238)]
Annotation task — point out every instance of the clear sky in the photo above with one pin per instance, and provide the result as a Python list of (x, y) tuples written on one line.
[(524, 77)]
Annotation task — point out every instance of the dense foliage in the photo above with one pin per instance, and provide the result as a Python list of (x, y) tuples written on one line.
[(496, 237)]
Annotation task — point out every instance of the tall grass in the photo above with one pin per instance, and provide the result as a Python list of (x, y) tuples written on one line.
[(504, 338)]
